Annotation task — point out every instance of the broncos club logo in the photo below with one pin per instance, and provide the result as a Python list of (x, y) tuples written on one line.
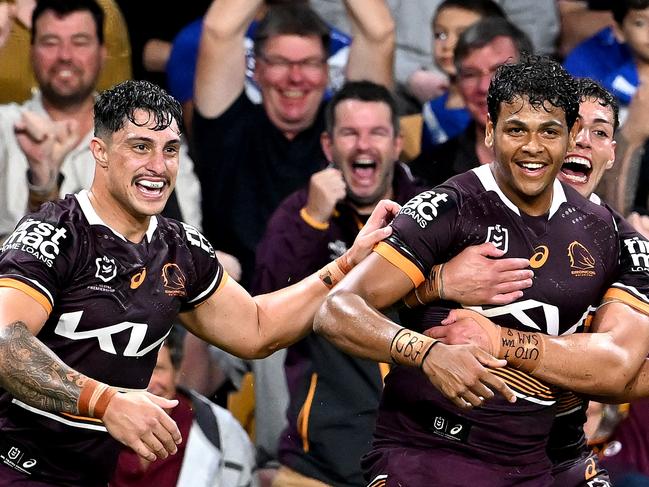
[(173, 280), (582, 262)]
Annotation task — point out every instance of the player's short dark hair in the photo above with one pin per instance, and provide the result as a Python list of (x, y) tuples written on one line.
[(589, 89), (620, 8), (66, 7), (115, 106), (290, 19), (362, 91), (540, 80), (485, 31), (484, 8)]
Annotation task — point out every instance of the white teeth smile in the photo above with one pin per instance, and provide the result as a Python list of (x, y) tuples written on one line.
[(578, 160), (151, 184), (293, 93), (575, 178), (532, 166), (364, 162)]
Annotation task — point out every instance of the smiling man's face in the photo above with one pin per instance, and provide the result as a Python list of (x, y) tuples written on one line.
[(365, 147), (594, 151), (530, 143)]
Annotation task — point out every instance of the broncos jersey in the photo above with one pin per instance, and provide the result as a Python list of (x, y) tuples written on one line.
[(110, 304), (574, 251), (567, 443)]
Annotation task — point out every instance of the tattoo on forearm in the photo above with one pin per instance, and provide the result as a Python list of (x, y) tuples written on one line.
[(34, 375)]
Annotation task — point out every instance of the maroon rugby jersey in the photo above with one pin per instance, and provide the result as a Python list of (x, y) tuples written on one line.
[(567, 443), (111, 304), (574, 252)]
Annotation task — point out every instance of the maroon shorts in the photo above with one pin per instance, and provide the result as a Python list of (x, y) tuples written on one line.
[(585, 472), (409, 467), (13, 478)]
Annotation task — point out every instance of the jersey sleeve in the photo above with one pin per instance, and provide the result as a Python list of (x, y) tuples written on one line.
[(631, 285), (422, 232), (210, 275), (39, 255)]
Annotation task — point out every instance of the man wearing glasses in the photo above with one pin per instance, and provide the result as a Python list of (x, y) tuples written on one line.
[(250, 157)]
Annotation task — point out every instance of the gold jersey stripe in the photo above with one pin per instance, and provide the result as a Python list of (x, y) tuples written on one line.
[(398, 260), (30, 291), (527, 379), (522, 387), (615, 294)]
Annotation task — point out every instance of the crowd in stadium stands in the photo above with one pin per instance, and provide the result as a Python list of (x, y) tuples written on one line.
[(298, 118)]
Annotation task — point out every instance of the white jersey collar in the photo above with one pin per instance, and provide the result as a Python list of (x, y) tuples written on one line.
[(94, 219), (488, 180)]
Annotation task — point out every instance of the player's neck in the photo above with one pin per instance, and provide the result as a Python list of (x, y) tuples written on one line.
[(532, 205), (133, 228)]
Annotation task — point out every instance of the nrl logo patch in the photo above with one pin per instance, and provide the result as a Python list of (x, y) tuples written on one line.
[(106, 268), (498, 236)]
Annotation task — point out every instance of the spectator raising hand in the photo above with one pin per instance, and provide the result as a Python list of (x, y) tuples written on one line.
[(326, 189), (45, 144)]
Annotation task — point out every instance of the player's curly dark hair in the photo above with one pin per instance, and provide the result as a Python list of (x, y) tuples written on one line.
[(540, 80), (588, 88), (115, 106)]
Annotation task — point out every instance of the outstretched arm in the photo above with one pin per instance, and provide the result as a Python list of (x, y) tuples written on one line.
[(601, 363), (31, 373), (371, 55), (221, 64), (349, 319), (256, 327)]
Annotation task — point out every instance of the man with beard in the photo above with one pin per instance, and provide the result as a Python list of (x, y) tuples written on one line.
[(250, 157), (44, 143)]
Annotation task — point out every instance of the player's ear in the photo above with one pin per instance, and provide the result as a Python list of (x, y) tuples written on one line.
[(99, 152), (572, 135), (326, 143), (489, 133), (611, 161)]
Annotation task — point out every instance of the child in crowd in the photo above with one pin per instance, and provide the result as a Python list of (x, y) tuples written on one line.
[(445, 117)]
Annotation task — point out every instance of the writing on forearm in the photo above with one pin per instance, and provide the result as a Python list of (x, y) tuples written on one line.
[(522, 350), (410, 348), (33, 374)]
